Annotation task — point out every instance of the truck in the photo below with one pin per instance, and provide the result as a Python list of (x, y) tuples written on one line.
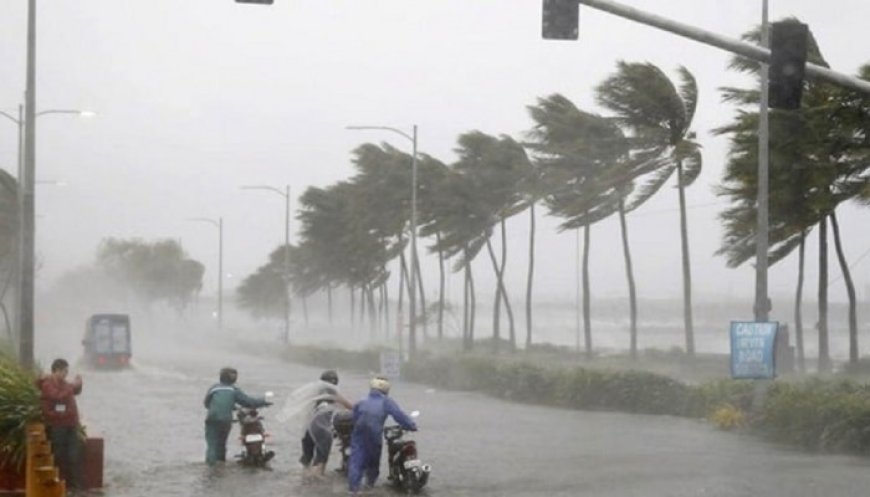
[(107, 342)]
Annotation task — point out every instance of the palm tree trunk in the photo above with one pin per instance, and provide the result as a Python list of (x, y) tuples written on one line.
[(441, 278), (687, 269), (530, 278), (362, 308), (824, 356), (496, 308), (373, 315), (629, 273), (352, 309), (400, 316), (587, 305), (6, 321), (850, 290), (305, 309), (6, 284), (507, 303), (473, 307), (422, 298), (798, 316), (329, 301), (385, 295), (466, 315)]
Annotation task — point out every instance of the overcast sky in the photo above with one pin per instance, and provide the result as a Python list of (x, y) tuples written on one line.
[(195, 98)]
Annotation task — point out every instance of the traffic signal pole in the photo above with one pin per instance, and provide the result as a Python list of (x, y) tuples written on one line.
[(560, 22), (738, 47)]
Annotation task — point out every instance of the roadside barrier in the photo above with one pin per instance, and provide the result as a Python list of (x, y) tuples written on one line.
[(41, 475)]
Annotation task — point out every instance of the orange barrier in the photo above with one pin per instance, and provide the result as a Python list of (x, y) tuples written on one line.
[(41, 475)]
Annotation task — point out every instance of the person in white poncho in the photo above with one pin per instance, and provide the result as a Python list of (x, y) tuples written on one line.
[(317, 441)]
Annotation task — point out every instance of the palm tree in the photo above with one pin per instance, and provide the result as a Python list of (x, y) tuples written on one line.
[(464, 222), (497, 165), (579, 156), (431, 175), (817, 161), (588, 167), (646, 102)]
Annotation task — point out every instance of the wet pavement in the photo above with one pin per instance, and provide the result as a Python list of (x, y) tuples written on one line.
[(151, 418)]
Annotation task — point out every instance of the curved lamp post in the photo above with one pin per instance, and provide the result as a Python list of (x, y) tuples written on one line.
[(286, 194), (412, 332), (219, 224), (26, 121)]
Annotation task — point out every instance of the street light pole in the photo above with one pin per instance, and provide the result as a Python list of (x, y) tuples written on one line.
[(25, 349), (286, 194), (219, 224), (762, 303), (412, 312), (25, 298)]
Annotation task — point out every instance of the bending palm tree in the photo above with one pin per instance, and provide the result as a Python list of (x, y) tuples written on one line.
[(648, 103)]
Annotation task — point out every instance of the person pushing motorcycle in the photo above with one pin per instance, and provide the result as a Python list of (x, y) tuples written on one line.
[(220, 400), (369, 416), (317, 442)]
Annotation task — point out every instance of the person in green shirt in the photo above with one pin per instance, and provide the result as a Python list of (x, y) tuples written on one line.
[(220, 400)]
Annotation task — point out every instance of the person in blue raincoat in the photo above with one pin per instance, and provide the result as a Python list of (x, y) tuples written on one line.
[(369, 416), (220, 400)]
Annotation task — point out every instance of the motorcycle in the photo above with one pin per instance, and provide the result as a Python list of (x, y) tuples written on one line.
[(406, 471), (342, 426), (253, 436)]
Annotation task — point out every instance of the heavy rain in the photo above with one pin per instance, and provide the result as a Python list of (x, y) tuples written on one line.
[(570, 247)]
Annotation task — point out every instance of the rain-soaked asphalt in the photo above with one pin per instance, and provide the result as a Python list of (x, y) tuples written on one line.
[(151, 420)]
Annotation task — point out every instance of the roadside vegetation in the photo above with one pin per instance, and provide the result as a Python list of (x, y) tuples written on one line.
[(829, 413), (19, 404)]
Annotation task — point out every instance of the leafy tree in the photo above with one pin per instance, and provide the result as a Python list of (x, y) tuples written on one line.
[(264, 292), (457, 212), (157, 271), (496, 166), (646, 102), (587, 167), (8, 240), (818, 159)]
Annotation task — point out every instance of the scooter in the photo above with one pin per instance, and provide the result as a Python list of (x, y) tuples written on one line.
[(342, 426), (407, 472), (253, 436)]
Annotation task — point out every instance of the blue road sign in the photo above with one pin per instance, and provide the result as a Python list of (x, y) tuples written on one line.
[(752, 349)]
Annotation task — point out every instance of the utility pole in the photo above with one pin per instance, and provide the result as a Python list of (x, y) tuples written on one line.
[(762, 302), (27, 202)]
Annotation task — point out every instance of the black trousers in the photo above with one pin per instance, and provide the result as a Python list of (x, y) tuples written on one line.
[(66, 447)]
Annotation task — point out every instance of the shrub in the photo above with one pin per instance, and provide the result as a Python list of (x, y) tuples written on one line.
[(19, 404), (728, 417), (818, 414)]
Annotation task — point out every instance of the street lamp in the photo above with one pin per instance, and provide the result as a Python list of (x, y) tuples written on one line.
[(219, 224), (412, 334), (286, 195), (26, 121)]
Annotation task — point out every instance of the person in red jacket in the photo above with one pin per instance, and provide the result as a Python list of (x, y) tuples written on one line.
[(62, 420)]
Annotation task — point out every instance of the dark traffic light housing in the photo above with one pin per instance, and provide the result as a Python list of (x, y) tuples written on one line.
[(788, 59), (559, 19), (263, 2)]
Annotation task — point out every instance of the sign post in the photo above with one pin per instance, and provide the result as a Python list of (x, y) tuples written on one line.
[(391, 364)]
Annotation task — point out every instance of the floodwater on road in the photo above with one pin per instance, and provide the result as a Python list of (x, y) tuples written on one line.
[(151, 418)]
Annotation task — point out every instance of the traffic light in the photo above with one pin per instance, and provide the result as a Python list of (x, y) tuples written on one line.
[(559, 19), (788, 58), (263, 2)]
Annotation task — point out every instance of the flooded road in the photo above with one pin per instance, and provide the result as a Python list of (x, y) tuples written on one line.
[(151, 418)]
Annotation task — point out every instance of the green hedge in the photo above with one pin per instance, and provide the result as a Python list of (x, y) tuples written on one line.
[(816, 414), (819, 414)]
